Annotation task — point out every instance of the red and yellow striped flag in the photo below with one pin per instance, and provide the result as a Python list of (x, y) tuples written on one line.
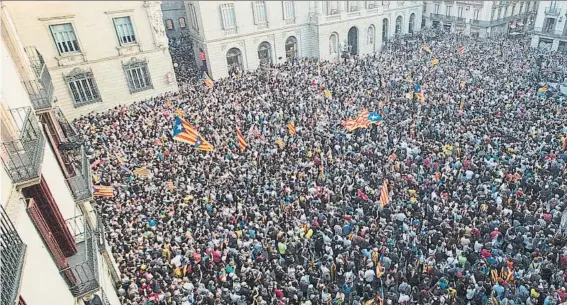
[(291, 128), (142, 171), (241, 141), (384, 194), (170, 185), (280, 143), (103, 191), (379, 270)]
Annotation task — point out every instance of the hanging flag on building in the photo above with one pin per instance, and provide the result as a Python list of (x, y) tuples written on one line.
[(103, 191), (186, 133), (384, 194), (291, 128), (142, 172), (207, 80), (280, 143), (241, 141)]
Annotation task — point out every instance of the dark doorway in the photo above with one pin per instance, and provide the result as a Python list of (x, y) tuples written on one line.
[(353, 40)]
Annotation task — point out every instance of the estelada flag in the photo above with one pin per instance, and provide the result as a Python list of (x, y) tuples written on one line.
[(280, 143)]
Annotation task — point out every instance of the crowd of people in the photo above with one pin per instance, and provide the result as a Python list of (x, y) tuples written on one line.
[(476, 177)]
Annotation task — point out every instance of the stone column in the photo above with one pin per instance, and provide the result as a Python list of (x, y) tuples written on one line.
[(155, 16), (318, 8), (341, 6)]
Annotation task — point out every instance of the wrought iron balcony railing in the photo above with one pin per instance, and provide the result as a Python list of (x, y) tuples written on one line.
[(40, 90), (552, 11), (549, 32), (82, 274), (12, 250), (23, 146), (81, 180)]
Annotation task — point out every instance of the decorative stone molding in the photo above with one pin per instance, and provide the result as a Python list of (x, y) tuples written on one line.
[(155, 17)]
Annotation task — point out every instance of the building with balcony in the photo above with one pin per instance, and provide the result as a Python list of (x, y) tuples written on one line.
[(550, 31), (242, 35), (99, 54), (481, 18), (174, 18), (51, 245)]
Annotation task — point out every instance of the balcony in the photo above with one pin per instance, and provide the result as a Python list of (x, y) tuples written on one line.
[(231, 31), (480, 23), (437, 16), (80, 180), (335, 17), (461, 20), (81, 272), (552, 11), (40, 89), (22, 147), (13, 251), (549, 32)]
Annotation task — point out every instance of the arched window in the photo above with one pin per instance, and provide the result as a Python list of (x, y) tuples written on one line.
[(265, 53), (399, 23), (385, 29), (411, 23), (169, 24), (234, 59), (334, 43), (290, 48), (182, 22), (370, 35)]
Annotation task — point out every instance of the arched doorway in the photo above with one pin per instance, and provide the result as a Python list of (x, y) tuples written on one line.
[(353, 40), (411, 23), (234, 60), (385, 29), (265, 53), (290, 48), (371, 37), (334, 44), (399, 23)]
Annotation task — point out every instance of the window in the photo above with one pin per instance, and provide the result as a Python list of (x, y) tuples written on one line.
[(65, 39), (411, 23), (385, 29), (352, 6), (124, 30), (82, 87), (513, 9), (521, 7), (169, 24), (228, 16), (437, 6), (448, 10), (138, 75), (259, 12), (460, 12), (499, 12), (234, 59), (265, 53), (291, 48), (370, 37), (334, 44), (288, 10), (492, 14), (371, 4), (475, 14), (182, 22), (193, 16)]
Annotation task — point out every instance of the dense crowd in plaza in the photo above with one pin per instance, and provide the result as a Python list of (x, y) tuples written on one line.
[(476, 177)]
